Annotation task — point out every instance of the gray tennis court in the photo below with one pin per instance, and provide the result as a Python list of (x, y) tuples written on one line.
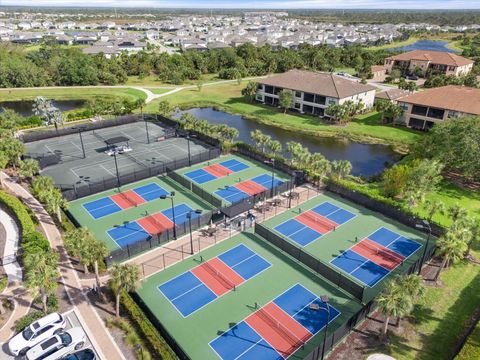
[(68, 166)]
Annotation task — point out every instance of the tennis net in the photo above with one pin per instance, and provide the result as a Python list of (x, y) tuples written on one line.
[(386, 254), (134, 159), (127, 199), (151, 219), (281, 329), (224, 279), (318, 219)]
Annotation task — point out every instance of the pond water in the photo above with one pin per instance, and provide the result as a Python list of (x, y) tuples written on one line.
[(366, 159), (432, 45), (24, 108)]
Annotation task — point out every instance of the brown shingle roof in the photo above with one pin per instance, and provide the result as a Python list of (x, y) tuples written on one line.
[(321, 83), (457, 98), (377, 68), (436, 57), (392, 94)]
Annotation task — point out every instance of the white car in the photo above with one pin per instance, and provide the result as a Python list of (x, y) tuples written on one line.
[(118, 150), (58, 345), (36, 332)]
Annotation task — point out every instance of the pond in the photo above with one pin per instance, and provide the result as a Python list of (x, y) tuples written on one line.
[(366, 159), (24, 107), (432, 45)]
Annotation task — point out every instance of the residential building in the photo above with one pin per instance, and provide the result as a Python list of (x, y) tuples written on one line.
[(391, 95), (314, 91), (422, 61), (423, 109), (378, 72)]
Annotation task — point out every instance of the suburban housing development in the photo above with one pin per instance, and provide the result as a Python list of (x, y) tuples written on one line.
[(314, 92), (420, 62), (423, 109)]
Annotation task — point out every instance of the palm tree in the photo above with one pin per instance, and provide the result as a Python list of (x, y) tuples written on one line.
[(412, 285), (320, 166), (54, 203), (140, 103), (77, 243), (41, 185), (29, 168), (47, 112), (457, 212), (98, 251), (261, 140), (341, 168), (452, 246), (474, 227), (434, 207), (123, 277), (13, 150), (250, 90), (393, 302), (164, 108), (275, 147), (42, 275)]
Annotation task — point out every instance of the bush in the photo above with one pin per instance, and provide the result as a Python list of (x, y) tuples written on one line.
[(20, 211), (34, 242), (3, 282), (149, 332), (23, 322), (30, 122)]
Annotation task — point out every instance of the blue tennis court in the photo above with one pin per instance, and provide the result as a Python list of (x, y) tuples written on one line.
[(297, 232), (302, 234), (187, 293), (200, 176), (231, 194), (150, 191), (101, 207), (266, 181), (234, 165), (366, 270), (128, 234), (242, 341), (181, 211)]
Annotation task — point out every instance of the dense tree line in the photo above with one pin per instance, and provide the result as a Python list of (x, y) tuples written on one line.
[(53, 65)]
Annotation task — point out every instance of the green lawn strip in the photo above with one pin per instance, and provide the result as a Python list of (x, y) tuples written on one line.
[(450, 194), (101, 225), (70, 94), (159, 91), (347, 70), (332, 244), (439, 320), (471, 348), (227, 97), (153, 80), (255, 169), (194, 332)]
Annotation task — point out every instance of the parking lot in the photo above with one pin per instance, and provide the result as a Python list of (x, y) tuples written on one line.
[(72, 321)]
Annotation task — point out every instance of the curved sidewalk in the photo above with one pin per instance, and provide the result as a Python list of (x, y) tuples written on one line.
[(101, 338)]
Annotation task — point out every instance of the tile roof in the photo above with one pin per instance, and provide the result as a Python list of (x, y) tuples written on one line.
[(392, 94), (436, 57), (452, 97), (326, 84)]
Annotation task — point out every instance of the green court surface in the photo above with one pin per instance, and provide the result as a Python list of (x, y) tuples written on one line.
[(398, 246), (224, 187), (100, 226), (195, 331)]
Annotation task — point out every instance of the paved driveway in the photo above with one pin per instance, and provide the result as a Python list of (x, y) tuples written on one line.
[(72, 321)]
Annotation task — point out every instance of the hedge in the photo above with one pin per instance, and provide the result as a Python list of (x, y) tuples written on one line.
[(471, 348), (156, 342), (19, 210)]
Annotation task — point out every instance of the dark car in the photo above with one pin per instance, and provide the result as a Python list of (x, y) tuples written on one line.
[(412, 77), (86, 354)]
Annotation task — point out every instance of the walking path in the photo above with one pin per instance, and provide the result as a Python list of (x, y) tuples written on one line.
[(14, 291), (101, 338)]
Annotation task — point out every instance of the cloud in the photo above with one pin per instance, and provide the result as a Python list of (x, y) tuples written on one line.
[(268, 4)]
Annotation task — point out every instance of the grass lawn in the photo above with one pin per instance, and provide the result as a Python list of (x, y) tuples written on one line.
[(69, 94), (471, 349), (159, 90), (347, 70), (152, 80), (439, 319), (228, 97)]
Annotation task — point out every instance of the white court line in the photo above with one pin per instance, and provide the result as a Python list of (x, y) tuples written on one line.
[(104, 168), (189, 290)]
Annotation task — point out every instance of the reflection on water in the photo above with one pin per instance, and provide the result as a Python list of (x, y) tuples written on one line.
[(430, 45), (24, 108), (366, 159)]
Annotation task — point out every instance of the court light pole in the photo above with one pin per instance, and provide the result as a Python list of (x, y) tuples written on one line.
[(146, 128), (293, 178), (189, 217), (188, 145), (116, 168), (171, 196), (80, 129), (272, 162), (424, 226), (325, 300)]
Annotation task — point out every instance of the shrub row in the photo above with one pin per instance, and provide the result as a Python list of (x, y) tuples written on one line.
[(156, 342), (19, 210)]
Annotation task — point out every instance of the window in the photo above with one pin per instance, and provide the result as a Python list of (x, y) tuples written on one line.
[(453, 114), (298, 94), (297, 105), (318, 111), (331, 102), (307, 109), (276, 90), (403, 106), (419, 110), (451, 68), (260, 87), (320, 99), (435, 113), (308, 97), (269, 89)]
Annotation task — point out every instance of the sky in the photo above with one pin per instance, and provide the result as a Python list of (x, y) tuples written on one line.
[(260, 4)]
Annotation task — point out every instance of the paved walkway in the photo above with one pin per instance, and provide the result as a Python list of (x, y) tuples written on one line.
[(101, 338)]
